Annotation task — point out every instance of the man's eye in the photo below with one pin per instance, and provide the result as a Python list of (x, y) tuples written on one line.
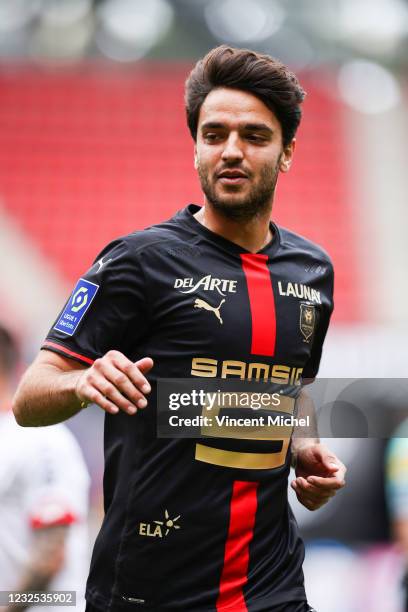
[(256, 137), (211, 136)]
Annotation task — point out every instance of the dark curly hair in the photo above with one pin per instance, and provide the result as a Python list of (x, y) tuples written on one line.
[(261, 75)]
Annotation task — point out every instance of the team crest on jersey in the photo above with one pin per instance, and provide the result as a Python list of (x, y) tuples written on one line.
[(159, 529), (307, 321)]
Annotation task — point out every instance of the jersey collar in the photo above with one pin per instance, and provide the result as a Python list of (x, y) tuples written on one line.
[(187, 216)]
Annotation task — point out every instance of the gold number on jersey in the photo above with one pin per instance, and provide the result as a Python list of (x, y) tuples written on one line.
[(246, 460)]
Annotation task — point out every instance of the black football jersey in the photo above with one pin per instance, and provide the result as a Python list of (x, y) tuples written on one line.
[(198, 524)]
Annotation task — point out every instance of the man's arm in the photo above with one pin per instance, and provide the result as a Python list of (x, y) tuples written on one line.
[(54, 388), (319, 473), (47, 391), (304, 436), (47, 559)]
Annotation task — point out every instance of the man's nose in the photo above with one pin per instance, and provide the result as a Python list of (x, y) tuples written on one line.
[(232, 149)]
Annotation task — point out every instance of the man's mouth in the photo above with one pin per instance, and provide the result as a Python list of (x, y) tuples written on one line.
[(232, 177)]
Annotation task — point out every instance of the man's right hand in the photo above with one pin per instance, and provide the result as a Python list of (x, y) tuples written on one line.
[(115, 383)]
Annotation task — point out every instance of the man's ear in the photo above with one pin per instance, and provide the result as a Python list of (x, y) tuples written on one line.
[(195, 158), (287, 156)]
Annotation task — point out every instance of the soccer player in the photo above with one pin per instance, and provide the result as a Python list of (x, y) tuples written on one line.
[(217, 291), (43, 502)]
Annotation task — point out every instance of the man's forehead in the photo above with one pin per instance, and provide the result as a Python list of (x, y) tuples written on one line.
[(234, 105)]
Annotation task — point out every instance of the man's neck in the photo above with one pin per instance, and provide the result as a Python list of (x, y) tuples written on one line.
[(251, 235)]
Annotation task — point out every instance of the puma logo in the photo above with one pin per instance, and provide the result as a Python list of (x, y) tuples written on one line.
[(101, 263), (199, 303)]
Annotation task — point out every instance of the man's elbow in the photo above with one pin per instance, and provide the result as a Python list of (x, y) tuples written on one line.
[(22, 406), (20, 412)]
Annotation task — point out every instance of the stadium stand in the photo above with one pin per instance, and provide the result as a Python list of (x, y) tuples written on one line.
[(89, 154)]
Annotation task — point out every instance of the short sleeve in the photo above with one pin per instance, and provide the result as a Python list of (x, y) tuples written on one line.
[(312, 367), (106, 309), (57, 481)]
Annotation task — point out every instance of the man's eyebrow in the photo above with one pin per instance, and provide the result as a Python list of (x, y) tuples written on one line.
[(212, 125), (256, 127)]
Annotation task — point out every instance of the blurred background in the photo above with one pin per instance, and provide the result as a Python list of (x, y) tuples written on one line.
[(94, 144)]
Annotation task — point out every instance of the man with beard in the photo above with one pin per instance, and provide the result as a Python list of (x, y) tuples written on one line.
[(215, 292)]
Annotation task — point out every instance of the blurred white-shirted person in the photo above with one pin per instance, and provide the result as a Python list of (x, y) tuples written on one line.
[(44, 487)]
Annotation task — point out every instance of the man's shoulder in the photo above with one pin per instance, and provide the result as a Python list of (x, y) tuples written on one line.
[(164, 233), (292, 241)]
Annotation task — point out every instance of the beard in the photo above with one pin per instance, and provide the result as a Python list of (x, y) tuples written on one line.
[(245, 207)]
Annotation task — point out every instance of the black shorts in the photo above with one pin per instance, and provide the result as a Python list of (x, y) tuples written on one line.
[(299, 606), (295, 607)]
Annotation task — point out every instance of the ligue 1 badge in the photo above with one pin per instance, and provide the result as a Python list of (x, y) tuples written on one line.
[(307, 321)]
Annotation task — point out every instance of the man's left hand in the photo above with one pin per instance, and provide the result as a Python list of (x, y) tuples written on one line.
[(319, 475)]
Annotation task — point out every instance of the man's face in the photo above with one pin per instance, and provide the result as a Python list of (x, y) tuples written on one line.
[(239, 153)]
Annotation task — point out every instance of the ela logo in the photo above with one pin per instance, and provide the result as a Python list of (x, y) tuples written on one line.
[(159, 529)]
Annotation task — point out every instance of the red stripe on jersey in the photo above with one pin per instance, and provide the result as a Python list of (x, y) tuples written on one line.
[(40, 522), (262, 303), (236, 557), (67, 351)]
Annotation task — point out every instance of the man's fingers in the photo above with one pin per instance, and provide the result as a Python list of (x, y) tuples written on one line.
[(330, 461), (326, 483), (97, 398), (311, 502), (304, 484), (323, 475), (311, 499), (125, 385), (114, 382), (112, 394), (319, 486), (331, 466), (134, 370), (144, 364)]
